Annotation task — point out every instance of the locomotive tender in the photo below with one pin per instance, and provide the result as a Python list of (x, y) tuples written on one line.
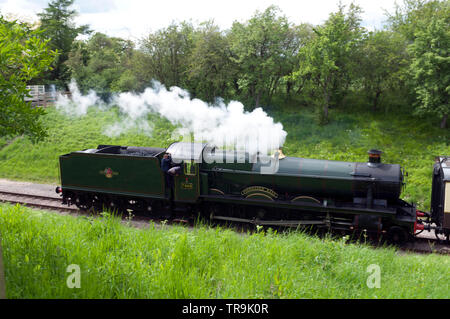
[(264, 190)]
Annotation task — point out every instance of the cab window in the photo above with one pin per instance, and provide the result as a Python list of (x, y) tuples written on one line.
[(190, 168)]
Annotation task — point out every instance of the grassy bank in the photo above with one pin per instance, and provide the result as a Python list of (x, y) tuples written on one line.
[(405, 140), (123, 262), (22, 160)]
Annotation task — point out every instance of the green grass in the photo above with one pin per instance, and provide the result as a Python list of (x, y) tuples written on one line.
[(124, 262), (405, 140)]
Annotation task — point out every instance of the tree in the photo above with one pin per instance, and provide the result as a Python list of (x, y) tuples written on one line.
[(409, 14), (326, 61), (23, 56), (425, 24), (138, 72), (257, 48), (210, 67), (430, 65), (102, 64), (168, 52), (298, 37), (57, 25), (381, 64)]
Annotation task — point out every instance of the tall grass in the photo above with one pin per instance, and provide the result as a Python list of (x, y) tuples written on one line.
[(123, 262)]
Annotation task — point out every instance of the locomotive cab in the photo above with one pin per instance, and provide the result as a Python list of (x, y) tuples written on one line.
[(187, 183)]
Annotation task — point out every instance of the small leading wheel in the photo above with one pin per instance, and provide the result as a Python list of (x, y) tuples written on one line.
[(98, 203), (83, 202), (397, 235)]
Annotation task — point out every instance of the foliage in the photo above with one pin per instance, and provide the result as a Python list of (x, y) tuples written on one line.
[(167, 52), (101, 64), (425, 24), (176, 262), (410, 13), (382, 64), (270, 61), (327, 60), (58, 26), (211, 70), (23, 56), (260, 48), (430, 65)]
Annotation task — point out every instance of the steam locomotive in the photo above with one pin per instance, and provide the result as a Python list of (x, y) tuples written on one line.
[(260, 189)]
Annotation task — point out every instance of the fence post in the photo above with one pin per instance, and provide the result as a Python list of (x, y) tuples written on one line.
[(2, 273)]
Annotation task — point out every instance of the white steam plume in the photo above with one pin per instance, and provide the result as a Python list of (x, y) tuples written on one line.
[(78, 104), (219, 124)]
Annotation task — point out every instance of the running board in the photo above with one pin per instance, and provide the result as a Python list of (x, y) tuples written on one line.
[(289, 223)]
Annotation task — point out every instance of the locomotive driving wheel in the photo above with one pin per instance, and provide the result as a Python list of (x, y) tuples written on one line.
[(397, 235)]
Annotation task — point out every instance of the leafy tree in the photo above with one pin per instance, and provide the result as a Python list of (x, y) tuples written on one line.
[(210, 68), (298, 37), (139, 72), (23, 56), (430, 65), (327, 60), (58, 25), (168, 52), (381, 64), (257, 48), (102, 64), (425, 24), (410, 13)]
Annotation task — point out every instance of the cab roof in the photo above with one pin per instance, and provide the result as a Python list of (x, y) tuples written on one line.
[(186, 151)]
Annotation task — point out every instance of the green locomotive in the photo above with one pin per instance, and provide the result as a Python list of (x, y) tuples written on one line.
[(236, 186)]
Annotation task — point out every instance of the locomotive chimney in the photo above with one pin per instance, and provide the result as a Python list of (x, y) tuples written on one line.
[(280, 153), (374, 157)]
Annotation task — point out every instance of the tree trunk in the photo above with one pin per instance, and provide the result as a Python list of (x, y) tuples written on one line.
[(2, 274), (326, 105), (236, 86), (272, 89), (444, 121), (375, 101), (258, 97), (325, 109), (288, 88)]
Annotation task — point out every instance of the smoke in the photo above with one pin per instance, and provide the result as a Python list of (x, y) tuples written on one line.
[(219, 124), (78, 104)]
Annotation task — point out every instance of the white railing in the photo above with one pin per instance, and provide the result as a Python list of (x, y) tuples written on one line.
[(41, 97)]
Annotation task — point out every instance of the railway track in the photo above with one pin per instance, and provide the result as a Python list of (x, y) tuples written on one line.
[(34, 200), (420, 245), (54, 204)]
